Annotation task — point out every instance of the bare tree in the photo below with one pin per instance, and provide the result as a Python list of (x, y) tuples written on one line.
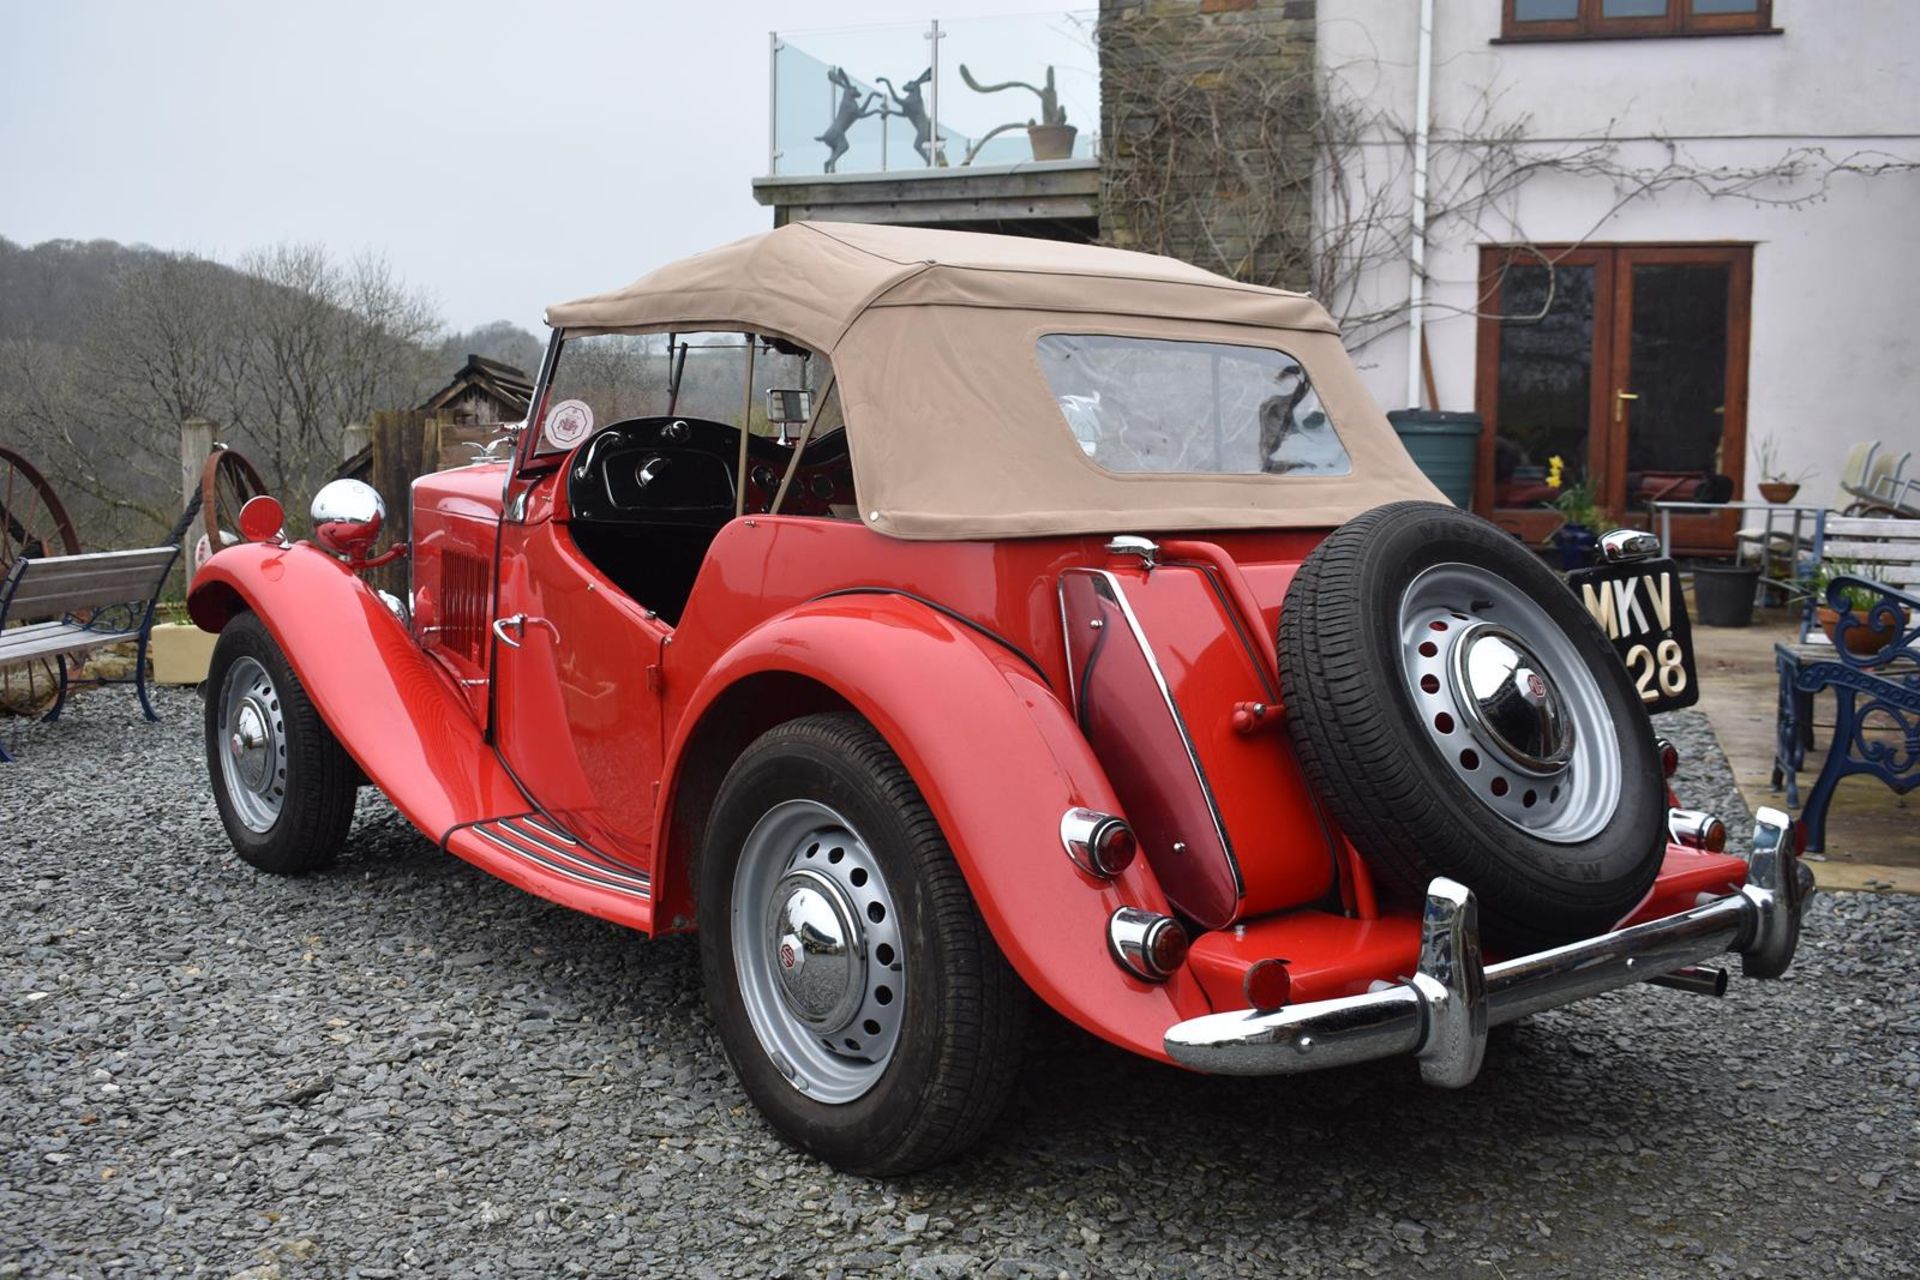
[(283, 354)]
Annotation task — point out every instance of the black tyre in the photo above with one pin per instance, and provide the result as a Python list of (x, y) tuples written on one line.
[(861, 999), (1464, 716), (284, 785)]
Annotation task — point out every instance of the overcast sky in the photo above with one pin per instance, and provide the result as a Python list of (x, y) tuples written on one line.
[(502, 155)]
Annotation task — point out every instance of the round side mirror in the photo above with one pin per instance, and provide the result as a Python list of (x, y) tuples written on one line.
[(347, 516)]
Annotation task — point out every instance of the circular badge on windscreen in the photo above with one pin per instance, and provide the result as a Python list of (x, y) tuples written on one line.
[(568, 423)]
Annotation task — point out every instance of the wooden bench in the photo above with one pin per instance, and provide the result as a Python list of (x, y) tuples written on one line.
[(1882, 548), (1876, 721), (61, 606)]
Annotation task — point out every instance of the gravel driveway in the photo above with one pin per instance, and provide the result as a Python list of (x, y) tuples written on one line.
[(404, 1067)]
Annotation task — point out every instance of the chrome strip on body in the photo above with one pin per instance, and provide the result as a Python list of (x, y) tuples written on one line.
[(575, 866)]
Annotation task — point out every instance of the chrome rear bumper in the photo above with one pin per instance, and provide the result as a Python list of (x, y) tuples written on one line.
[(1441, 1014)]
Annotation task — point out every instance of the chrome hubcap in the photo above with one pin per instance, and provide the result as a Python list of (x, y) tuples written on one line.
[(254, 765), (1508, 698), (817, 951), (1509, 703)]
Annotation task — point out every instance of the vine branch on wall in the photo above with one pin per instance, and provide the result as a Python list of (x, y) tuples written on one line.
[(1262, 165)]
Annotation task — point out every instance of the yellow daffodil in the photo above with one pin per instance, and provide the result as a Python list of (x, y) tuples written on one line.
[(1555, 466)]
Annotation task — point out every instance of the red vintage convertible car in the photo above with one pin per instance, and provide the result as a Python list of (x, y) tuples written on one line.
[(938, 621)]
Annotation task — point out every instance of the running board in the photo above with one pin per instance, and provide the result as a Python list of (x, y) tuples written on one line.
[(533, 852)]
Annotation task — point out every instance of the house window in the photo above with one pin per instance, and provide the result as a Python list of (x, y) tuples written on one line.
[(1574, 19)]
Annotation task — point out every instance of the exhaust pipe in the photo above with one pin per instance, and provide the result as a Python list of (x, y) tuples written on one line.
[(1700, 979)]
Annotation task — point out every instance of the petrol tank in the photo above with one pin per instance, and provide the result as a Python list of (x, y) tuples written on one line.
[(1177, 702)]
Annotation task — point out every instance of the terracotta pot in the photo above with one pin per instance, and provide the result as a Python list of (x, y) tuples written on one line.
[(1860, 638), (1778, 491), (1052, 141)]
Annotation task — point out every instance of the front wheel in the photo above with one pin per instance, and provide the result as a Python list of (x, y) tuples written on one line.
[(858, 994), (284, 785)]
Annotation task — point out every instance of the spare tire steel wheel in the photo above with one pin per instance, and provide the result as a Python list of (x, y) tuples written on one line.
[(1464, 716)]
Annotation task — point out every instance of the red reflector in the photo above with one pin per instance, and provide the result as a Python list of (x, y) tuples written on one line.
[(1114, 847), (261, 519), (1268, 985), (1714, 839), (1167, 947)]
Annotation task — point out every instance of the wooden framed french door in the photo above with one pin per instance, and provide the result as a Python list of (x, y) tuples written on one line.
[(1626, 362)]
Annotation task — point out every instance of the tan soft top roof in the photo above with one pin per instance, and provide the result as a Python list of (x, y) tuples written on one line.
[(952, 428), (810, 281)]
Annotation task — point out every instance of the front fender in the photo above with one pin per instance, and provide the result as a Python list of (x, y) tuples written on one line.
[(397, 714), (999, 760)]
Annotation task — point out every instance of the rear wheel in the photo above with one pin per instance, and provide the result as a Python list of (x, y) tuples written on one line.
[(1464, 716), (858, 994), (283, 784)]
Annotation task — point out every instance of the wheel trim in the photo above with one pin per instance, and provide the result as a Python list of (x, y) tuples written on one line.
[(1509, 703), (817, 951), (252, 746)]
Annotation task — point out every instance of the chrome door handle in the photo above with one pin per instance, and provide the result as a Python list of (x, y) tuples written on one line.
[(519, 622)]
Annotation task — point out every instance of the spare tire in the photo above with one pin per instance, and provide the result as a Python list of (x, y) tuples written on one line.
[(1463, 715)]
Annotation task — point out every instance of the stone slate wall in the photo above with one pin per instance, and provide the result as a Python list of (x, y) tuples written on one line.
[(1207, 133)]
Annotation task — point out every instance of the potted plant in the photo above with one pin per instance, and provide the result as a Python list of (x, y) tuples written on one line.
[(1051, 137), (1575, 539), (1777, 484), (1867, 635)]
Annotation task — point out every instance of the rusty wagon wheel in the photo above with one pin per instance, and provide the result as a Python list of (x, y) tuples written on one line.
[(33, 525), (227, 481)]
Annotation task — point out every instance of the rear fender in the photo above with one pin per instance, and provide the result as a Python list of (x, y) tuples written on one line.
[(998, 759), (396, 712)]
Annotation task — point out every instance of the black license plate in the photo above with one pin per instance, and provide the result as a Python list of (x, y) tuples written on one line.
[(1644, 612)]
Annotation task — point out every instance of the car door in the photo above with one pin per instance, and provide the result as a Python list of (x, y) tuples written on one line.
[(576, 686)]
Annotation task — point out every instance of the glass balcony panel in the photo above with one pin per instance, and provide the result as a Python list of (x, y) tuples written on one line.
[(844, 100), (990, 128), (861, 100)]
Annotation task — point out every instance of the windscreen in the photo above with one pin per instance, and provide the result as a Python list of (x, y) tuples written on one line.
[(599, 379), (1173, 407)]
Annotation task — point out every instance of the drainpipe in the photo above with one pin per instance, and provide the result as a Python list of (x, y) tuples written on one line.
[(1417, 251)]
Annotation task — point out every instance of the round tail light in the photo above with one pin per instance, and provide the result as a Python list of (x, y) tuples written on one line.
[(1146, 944), (1099, 843), (1697, 830), (1669, 756), (1114, 847)]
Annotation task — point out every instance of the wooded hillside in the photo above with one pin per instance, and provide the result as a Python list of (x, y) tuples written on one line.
[(105, 348)]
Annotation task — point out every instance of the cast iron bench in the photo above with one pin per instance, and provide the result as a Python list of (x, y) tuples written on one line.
[(67, 605), (1877, 691)]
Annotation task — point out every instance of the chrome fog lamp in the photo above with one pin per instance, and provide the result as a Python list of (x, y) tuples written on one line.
[(347, 518), (1099, 843), (1146, 944), (1697, 830)]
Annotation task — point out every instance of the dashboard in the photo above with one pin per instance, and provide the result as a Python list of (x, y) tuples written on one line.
[(682, 471)]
